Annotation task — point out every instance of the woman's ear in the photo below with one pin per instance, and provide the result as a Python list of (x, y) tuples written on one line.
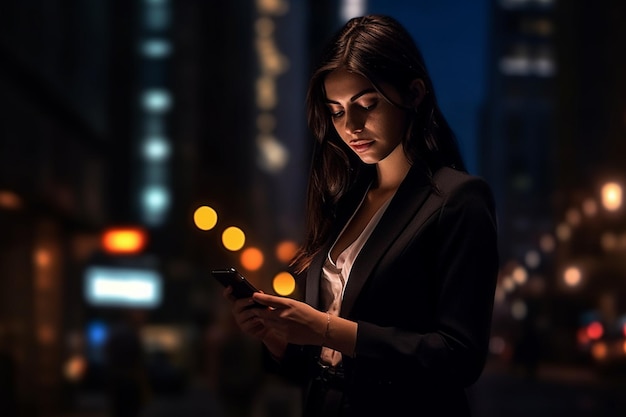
[(417, 89)]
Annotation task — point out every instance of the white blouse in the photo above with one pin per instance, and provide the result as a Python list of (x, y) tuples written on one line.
[(335, 275)]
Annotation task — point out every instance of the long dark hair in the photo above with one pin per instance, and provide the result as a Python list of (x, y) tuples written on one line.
[(380, 49)]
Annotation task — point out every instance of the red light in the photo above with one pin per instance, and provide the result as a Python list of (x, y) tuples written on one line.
[(582, 336), (124, 240), (595, 330)]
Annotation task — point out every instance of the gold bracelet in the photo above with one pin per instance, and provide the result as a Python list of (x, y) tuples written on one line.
[(327, 332)]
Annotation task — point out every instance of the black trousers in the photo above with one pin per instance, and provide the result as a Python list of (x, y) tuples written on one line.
[(325, 400)]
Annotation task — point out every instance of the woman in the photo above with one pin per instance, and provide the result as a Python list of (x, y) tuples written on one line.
[(399, 261)]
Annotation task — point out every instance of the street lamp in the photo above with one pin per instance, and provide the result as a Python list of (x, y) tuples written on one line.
[(572, 276), (612, 196)]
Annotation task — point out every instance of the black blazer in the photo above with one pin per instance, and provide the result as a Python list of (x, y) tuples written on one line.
[(421, 291)]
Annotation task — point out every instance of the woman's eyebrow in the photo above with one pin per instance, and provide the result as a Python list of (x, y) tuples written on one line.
[(354, 97)]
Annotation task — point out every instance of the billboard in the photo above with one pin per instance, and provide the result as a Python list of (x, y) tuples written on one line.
[(115, 286)]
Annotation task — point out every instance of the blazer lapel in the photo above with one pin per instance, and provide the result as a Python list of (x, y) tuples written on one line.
[(313, 276), (410, 196)]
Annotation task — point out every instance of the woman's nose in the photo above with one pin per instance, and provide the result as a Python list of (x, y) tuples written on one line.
[(354, 123)]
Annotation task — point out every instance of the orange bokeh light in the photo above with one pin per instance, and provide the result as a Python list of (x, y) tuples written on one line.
[(599, 351), (286, 250), (252, 259), (284, 283), (124, 240)]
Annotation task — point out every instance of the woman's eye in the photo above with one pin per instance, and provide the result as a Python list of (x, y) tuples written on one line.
[(369, 106), (366, 107)]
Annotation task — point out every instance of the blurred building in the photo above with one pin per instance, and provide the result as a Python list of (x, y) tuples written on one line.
[(591, 122), (554, 132), (119, 114), (519, 128), (54, 152)]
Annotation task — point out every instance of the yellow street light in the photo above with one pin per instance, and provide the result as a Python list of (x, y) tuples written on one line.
[(612, 196)]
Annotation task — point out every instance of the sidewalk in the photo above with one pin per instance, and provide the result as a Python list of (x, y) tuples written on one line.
[(553, 391)]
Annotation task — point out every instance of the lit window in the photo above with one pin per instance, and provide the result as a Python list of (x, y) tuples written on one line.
[(157, 101), (155, 201), (273, 155), (156, 148), (156, 48)]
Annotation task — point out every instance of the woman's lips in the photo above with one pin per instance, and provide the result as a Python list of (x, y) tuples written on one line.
[(360, 146)]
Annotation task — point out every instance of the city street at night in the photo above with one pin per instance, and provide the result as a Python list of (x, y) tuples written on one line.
[(145, 144)]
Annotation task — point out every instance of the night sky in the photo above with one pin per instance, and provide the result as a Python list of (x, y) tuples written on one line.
[(453, 36)]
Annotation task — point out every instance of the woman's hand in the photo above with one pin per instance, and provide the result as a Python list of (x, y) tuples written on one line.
[(294, 321), (244, 312), (286, 320)]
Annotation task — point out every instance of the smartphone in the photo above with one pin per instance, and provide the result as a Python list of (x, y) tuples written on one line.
[(242, 288)]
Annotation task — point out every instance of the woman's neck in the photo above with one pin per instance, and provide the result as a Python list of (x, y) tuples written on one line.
[(390, 172)]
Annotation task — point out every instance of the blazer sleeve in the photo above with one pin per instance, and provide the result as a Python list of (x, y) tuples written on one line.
[(465, 267)]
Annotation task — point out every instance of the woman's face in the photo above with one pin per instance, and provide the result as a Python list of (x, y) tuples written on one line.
[(369, 124)]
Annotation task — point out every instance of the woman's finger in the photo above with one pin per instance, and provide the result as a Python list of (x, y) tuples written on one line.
[(271, 300)]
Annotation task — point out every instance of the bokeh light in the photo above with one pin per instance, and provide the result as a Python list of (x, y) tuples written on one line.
[(157, 100), (284, 283), (547, 243), (124, 240), (590, 208), (611, 196), (497, 345), (286, 250), (205, 218), (599, 351), (252, 259), (508, 284), (156, 148), (10, 200), (519, 310), (46, 334), (75, 368), (563, 231), (532, 259), (608, 241), (595, 330), (97, 333), (43, 258), (520, 275), (573, 217), (582, 337), (572, 276), (233, 238)]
